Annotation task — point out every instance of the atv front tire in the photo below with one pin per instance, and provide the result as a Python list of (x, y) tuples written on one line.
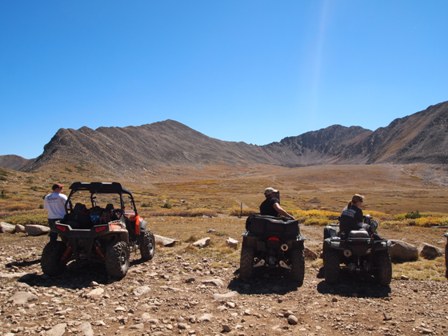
[(147, 245), (383, 268), (246, 263), (331, 265), (297, 259), (117, 260), (51, 260)]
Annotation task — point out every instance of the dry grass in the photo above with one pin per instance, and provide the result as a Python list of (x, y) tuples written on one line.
[(421, 270)]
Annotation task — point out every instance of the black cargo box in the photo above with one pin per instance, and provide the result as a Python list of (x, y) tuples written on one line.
[(262, 225)]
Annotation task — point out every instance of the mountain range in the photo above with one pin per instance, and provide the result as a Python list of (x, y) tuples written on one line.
[(420, 137)]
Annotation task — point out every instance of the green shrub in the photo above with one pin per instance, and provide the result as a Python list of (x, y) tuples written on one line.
[(167, 205), (413, 215)]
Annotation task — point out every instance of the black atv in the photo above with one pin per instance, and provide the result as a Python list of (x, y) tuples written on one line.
[(274, 243), (359, 251), (106, 231)]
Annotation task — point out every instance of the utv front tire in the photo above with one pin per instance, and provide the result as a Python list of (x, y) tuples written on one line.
[(297, 259), (51, 260), (117, 260), (331, 265), (246, 263), (147, 245), (383, 268)]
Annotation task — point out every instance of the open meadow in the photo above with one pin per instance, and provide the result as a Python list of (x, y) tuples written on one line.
[(196, 291)]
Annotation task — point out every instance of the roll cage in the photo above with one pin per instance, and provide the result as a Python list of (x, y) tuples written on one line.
[(95, 188)]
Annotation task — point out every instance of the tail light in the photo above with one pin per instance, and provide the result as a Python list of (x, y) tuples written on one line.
[(62, 228), (100, 228), (273, 238)]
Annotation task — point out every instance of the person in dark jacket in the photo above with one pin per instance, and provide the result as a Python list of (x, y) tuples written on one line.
[(271, 205), (352, 217)]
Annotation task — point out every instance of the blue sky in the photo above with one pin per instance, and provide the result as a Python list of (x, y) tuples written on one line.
[(243, 70)]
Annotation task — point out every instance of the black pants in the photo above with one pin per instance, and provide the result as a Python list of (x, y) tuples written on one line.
[(53, 233)]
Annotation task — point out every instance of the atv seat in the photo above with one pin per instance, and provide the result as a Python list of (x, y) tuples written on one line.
[(358, 234), (262, 226)]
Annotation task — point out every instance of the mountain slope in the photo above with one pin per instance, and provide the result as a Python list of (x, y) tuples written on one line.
[(13, 162), (420, 137)]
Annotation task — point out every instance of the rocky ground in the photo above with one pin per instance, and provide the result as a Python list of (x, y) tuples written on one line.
[(184, 293)]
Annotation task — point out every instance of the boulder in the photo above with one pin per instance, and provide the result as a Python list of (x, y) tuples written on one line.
[(430, 252), (164, 241), (36, 230), (7, 228), (20, 228), (401, 251), (204, 242)]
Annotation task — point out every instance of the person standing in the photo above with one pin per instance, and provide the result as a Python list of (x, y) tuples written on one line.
[(271, 205), (54, 203)]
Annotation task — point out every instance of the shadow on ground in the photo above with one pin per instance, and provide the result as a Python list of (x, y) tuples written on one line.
[(353, 285), (78, 274), (263, 282)]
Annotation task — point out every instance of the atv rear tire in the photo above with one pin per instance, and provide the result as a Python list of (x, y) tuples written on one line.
[(147, 245), (246, 263), (117, 260), (51, 261), (297, 273), (383, 268), (331, 265)]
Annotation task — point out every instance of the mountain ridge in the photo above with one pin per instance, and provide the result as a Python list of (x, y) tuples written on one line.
[(419, 137)]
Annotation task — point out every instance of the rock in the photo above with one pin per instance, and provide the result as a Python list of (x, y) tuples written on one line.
[(20, 228), (141, 290), (201, 243), (95, 293), (226, 328), (225, 296), (310, 255), (21, 298), (36, 230), (57, 330), (214, 282), (205, 318), (430, 252), (86, 329), (138, 326), (182, 326), (293, 320), (165, 241), (7, 228), (233, 243), (401, 251)]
